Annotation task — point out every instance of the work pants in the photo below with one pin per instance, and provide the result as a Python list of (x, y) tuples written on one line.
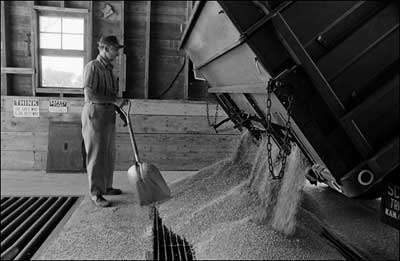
[(98, 131)]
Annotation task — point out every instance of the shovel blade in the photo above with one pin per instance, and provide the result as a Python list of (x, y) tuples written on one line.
[(148, 183)]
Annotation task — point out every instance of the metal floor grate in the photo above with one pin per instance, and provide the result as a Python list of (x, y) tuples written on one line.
[(167, 244), (26, 222)]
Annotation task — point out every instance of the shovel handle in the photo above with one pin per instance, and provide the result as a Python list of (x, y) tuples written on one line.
[(134, 146)]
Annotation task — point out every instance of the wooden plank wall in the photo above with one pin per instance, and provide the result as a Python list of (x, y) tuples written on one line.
[(167, 25), (135, 41), (129, 23), (167, 22), (19, 30), (173, 135)]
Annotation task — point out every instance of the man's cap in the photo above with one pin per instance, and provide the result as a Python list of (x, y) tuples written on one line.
[(110, 40)]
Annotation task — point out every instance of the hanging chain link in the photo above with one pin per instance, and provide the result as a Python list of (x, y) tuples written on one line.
[(269, 127), (286, 148)]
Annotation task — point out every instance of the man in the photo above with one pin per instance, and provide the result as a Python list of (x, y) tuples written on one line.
[(98, 120)]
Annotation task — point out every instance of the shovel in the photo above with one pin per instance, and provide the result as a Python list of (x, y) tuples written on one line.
[(144, 177)]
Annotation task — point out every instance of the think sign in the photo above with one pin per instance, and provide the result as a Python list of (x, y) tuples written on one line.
[(58, 106), (26, 107)]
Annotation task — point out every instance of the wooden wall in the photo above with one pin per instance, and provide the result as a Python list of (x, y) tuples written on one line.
[(17, 29), (173, 135), (150, 30), (167, 22)]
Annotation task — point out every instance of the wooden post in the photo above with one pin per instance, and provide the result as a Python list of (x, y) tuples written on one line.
[(147, 52), (4, 48), (89, 35), (34, 50), (122, 58), (186, 70)]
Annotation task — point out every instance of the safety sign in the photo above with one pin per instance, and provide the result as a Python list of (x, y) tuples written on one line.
[(58, 106), (26, 107)]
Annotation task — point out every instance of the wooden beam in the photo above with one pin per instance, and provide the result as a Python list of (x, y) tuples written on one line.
[(55, 52), (122, 58), (255, 88), (89, 34), (59, 90), (35, 50), (61, 9), (147, 51), (122, 75), (15, 70), (4, 48), (186, 70)]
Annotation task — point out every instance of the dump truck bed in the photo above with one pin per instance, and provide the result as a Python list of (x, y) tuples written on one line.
[(337, 59)]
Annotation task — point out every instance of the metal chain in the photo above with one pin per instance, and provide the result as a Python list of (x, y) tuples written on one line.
[(269, 127), (270, 89), (286, 148)]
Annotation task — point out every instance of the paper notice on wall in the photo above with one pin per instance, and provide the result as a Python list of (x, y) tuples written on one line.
[(58, 106), (26, 107)]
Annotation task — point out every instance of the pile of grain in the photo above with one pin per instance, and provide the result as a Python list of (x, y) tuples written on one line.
[(233, 210)]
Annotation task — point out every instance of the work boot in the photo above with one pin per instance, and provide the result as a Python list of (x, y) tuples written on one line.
[(113, 191), (99, 201)]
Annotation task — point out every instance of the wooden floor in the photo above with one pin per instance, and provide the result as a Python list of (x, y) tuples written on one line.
[(30, 183)]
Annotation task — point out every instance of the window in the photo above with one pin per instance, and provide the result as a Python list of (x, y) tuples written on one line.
[(62, 50), (58, 71)]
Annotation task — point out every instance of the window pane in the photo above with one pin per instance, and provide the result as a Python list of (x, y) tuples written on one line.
[(72, 41), (72, 25), (50, 24), (50, 40), (62, 71)]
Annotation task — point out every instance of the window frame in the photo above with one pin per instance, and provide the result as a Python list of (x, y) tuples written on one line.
[(38, 11)]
